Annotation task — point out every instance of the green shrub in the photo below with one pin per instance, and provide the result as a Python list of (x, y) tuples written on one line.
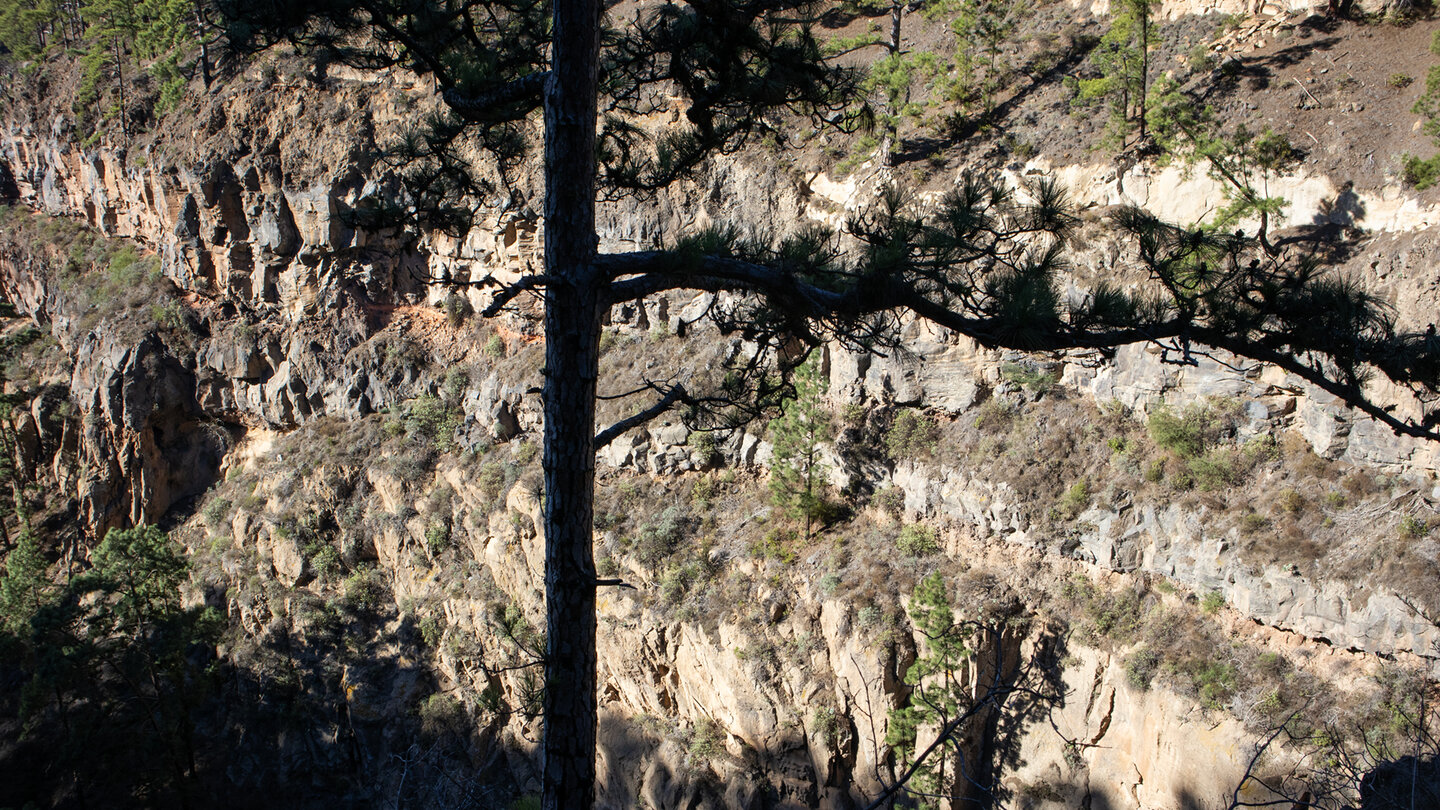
[(1078, 589), (680, 580), (521, 522), (364, 591), (1192, 436), (127, 269), (1413, 528), (1421, 174), (911, 435), (1271, 664), (659, 538), (1028, 376), (430, 419), (1253, 522), (993, 415), (432, 630), (864, 149), (702, 491), (457, 380), (526, 453), (391, 428), (826, 724), (1140, 668), (777, 544), (494, 347), (437, 537), (1261, 449), (492, 480), (868, 617), (168, 315), (1291, 501), (216, 511), (1399, 81), (890, 500), (1215, 683), (1178, 434), (1212, 602), (1074, 501), (706, 743), (1216, 469), (324, 559), (1115, 615), (440, 714), (707, 451), (1201, 59), (457, 309), (917, 540)]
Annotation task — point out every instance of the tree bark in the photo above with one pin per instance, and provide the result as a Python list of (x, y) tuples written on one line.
[(891, 137), (572, 338), (120, 85), (1143, 7), (201, 34)]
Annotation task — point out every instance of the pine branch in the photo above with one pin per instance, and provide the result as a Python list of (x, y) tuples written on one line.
[(664, 403), (509, 292), (501, 103)]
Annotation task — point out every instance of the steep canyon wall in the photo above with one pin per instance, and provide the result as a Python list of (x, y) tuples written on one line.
[(298, 321)]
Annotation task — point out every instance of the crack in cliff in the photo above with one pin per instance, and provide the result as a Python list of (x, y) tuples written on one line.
[(1104, 721)]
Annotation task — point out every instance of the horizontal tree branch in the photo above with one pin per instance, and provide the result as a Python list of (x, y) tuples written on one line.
[(659, 270), (668, 400), (646, 273), (497, 103), (508, 292), (618, 583)]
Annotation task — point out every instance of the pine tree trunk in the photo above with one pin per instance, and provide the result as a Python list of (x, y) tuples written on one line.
[(200, 34), (1263, 234), (1144, 11), (890, 140), (120, 85), (572, 338), (896, 9)]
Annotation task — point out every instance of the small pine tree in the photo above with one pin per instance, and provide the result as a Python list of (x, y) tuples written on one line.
[(24, 587), (891, 77), (143, 569), (1243, 161), (1420, 172), (939, 681), (1123, 57), (982, 28), (111, 27), (798, 474), (27, 28)]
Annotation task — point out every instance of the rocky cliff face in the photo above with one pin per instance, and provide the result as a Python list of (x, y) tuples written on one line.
[(742, 672), (728, 678)]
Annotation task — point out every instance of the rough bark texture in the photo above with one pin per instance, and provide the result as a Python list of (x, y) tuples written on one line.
[(572, 333)]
